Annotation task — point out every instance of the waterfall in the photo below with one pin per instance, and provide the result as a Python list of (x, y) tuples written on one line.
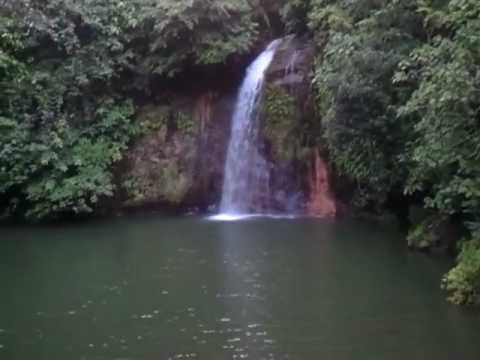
[(246, 182)]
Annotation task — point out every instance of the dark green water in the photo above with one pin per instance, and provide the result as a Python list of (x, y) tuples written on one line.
[(156, 288)]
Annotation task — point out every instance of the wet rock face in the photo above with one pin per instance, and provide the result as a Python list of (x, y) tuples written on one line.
[(300, 181), (292, 66), (320, 202), (179, 161)]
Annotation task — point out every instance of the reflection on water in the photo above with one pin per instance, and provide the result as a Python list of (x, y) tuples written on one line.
[(246, 295), (160, 288)]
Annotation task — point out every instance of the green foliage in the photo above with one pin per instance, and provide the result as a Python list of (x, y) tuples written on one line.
[(445, 150), (79, 171), (63, 169), (445, 155), (203, 32), (463, 281), (356, 98), (329, 15), (60, 132)]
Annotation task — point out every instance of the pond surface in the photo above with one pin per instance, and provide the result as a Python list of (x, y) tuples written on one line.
[(187, 288)]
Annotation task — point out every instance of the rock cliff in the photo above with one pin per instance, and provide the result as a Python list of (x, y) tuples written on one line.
[(179, 161)]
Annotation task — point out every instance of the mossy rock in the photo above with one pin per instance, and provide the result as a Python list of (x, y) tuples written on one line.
[(154, 118), (280, 123), (420, 238), (428, 233), (167, 181), (161, 162), (185, 123)]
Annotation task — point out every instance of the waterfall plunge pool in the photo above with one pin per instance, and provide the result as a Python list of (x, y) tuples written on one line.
[(176, 288)]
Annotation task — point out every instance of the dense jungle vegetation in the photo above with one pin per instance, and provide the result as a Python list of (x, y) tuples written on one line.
[(397, 86)]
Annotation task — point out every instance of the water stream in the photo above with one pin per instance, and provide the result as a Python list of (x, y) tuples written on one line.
[(245, 189)]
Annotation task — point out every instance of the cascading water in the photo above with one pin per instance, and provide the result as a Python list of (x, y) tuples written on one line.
[(256, 181), (246, 170)]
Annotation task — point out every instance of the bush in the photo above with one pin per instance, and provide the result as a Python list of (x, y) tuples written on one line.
[(463, 281)]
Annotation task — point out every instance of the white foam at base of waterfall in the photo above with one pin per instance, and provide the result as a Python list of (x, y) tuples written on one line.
[(233, 217)]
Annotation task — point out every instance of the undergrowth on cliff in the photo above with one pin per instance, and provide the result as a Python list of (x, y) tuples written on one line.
[(163, 181), (281, 122)]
